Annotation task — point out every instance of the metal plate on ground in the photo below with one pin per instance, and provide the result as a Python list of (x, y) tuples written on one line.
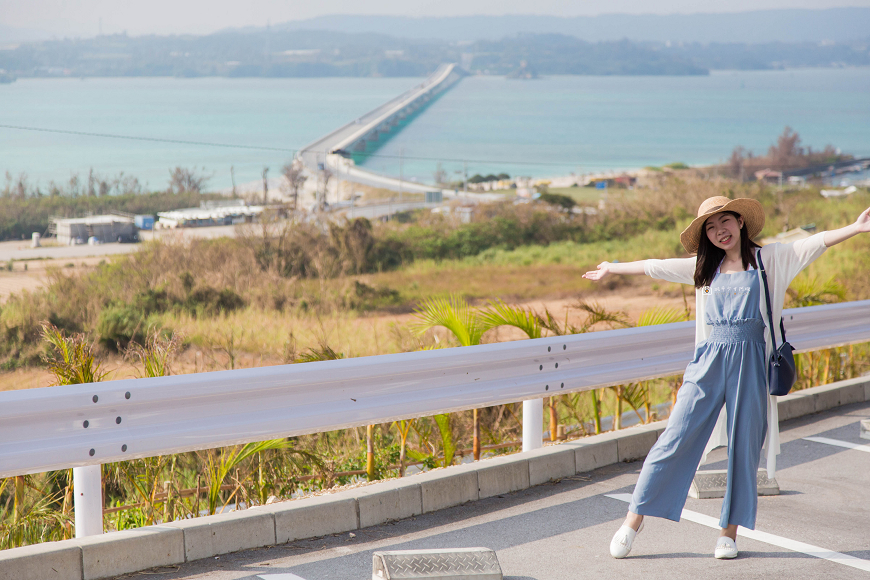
[(455, 564), (711, 484), (865, 429)]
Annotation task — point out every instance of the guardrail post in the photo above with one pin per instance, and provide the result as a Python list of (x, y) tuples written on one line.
[(533, 424), (88, 486)]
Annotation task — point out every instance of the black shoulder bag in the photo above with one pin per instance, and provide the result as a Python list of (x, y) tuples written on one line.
[(781, 369)]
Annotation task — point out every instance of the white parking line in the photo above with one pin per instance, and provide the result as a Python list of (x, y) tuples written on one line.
[(280, 577), (778, 541), (838, 443)]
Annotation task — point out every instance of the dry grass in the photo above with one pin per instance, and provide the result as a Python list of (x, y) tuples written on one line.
[(285, 312)]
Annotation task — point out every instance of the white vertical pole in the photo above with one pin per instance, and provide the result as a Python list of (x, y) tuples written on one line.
[(88, 487), (533, 424)]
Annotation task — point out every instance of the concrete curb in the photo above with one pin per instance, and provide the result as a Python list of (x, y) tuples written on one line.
[(118, 553)]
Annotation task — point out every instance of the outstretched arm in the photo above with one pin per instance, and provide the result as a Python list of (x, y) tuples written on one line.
[(605, 268), (861, 226)]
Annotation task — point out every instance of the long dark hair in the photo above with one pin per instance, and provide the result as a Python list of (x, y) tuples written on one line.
[(709, 256)]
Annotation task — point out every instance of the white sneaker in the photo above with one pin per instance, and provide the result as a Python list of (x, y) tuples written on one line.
[(726, 548), (620, 545)]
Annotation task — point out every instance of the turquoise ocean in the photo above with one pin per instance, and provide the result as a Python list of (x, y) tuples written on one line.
[(545, 127)]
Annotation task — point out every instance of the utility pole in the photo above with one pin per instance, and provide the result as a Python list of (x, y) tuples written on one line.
[(339, 183), (319, 193), (265, 185), (401, 169)]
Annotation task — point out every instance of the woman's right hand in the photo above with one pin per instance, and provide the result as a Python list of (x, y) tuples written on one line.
[(602, 271)]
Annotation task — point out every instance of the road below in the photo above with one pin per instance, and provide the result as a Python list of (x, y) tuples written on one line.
[(817, 527)]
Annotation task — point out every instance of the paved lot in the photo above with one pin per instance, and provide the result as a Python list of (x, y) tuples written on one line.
[(21, 250), (562, 530)]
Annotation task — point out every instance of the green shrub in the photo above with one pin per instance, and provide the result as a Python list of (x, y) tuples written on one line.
[(118, 326), (209, 301), (365, 297), (558, 200)]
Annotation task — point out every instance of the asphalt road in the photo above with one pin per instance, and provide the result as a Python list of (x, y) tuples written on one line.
[(562, 530), (21, 250)]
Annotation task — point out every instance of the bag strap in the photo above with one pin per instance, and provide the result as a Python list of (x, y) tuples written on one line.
[(767, 299)]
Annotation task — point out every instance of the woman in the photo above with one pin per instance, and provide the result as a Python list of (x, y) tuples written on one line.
[(733, 346)]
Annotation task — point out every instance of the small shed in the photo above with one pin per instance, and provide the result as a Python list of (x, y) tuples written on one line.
[(105, 228), (768, 175), (210, 214), (144, 222)]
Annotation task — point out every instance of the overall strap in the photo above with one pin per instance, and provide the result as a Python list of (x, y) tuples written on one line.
[(767, 299)]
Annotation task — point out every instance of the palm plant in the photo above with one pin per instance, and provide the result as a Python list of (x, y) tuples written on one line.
[(220, 463), (810, 291), (325, 352), (278, 465), (497, 314), (318, 353), (467, 326), (404, 428), (157, 354), (637, 395), (595, 314), (142, 478), (73, 362), (34, 516)]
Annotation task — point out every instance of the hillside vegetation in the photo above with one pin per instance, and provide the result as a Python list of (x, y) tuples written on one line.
[(509, 252), (290, 293)]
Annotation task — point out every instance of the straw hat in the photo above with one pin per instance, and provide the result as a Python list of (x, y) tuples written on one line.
[(749, 209)]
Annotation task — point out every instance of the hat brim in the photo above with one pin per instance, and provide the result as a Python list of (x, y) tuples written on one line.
[(749, 209)]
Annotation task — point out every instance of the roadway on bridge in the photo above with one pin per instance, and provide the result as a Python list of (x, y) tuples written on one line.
[(316, 152), (561, 530)]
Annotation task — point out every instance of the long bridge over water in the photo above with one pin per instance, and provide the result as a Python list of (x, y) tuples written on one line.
[(334, 150)]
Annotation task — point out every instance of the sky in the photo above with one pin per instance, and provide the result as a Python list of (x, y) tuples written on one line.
[(84, 18)]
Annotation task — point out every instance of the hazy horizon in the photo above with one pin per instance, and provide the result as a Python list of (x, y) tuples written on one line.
[(45, 19)]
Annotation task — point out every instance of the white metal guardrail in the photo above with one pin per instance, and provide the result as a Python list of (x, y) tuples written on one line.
[(87, 425)]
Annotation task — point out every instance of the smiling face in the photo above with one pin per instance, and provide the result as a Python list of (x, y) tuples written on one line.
[(723, 230)]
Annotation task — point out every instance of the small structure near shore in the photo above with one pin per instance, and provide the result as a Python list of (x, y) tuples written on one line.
[(101, 228), (210, 213)]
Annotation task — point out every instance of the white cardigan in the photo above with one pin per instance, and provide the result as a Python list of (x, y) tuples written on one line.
[(783, 262)]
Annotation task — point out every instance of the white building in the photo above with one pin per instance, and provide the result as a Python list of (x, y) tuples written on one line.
[(209, 214), (102, 228)]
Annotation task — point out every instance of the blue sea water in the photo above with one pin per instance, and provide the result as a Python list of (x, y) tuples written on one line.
[(584, 124), (550, 126), (277, 113)]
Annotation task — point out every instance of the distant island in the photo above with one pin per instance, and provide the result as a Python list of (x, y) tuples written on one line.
[(281, 52)]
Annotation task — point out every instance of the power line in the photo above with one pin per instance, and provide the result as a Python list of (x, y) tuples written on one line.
[(139, 138), (283, 150)]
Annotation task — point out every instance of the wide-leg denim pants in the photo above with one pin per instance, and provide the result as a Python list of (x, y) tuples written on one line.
[(729, 368)]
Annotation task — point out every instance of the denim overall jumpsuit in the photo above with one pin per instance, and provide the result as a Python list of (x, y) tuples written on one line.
[(728, 368)]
